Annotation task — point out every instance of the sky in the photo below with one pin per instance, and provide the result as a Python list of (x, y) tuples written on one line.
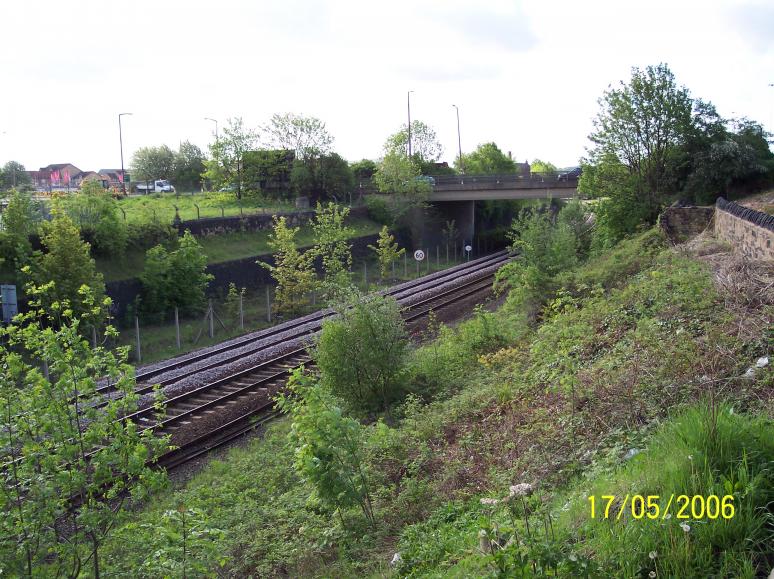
[(524, 74)]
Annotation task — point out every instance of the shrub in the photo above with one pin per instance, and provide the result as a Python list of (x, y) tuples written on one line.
[(95, 212), (378, 209), (175, 278), (362, 352)]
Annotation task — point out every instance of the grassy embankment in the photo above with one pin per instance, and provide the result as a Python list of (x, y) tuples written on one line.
[(647, 350), (222, 247), (161, 206)]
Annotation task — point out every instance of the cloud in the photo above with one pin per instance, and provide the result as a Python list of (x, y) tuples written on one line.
[(507, 29), (755, 23)]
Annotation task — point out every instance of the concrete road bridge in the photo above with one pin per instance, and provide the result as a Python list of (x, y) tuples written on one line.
[(454, 197), (491, 187)]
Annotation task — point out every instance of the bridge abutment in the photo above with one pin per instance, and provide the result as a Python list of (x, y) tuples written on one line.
[(427, 226)]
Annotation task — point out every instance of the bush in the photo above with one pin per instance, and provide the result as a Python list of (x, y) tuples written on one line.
[(142, 236), (175, 278), (378, 209), (95, 212), (362, 353)]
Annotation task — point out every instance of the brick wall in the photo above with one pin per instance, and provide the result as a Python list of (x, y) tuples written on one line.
[(749, 231)]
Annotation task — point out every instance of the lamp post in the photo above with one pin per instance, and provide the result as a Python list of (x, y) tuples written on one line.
[(121, 142), (216, 127), (459, 140), (408, 105)]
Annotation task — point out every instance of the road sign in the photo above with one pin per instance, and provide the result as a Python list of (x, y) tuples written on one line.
[(468, 248), (419, 255), (10, 307)]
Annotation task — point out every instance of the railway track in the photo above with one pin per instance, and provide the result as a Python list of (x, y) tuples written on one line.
[(256, 342), (194, 419)]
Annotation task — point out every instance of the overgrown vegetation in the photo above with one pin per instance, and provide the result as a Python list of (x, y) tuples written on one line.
[(487, 465)]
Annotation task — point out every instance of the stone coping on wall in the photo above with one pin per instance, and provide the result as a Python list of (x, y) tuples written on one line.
[(758, 218)]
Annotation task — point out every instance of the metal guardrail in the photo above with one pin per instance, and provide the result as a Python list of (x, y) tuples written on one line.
[(508, 179)]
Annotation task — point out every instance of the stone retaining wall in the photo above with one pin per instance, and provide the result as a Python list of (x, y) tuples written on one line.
[(748, 230), (682, 223)]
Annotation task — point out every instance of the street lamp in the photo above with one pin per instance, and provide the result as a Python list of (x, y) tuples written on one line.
[(121, 142), (408, 105), (216, 127), (459, 140)]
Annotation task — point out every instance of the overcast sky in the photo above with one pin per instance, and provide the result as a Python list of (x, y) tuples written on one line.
[(526, 75)]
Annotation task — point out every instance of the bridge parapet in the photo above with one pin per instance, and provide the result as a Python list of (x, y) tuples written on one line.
[(475, 182)]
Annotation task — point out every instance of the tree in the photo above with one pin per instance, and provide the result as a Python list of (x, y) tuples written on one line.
[(19, 220), (330, 236), (363, 169), (175, 278), (362, 352), (543, 168), (545, 249), (66, 268), (328, 446), (387, 251), (323, 177), (292, 270), (13, 175), (643, 124), (398, 176), (62, 454), (424, 143), (95, 212), (150, 163), (487, 159), (227, 155), (189, 166), (307, 136)]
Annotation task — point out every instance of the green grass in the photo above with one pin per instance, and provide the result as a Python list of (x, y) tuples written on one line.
[(631, 365), (161, 206)]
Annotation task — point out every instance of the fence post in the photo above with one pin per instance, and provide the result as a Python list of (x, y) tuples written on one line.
[(405, 264), (427, 255), (455, 253), (211, 314), (197, 211), (137, 333), (393, 269), (417, 262), (222, 211), (45, 369), (365, 274), (447, 254), (268, 304), (438, 256), (241, 313), (93, 336), (177, 329)]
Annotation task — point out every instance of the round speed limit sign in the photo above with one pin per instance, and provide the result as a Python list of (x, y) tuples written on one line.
[(419, 255), (468, 248)]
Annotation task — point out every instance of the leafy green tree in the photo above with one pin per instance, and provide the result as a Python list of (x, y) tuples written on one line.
[(328, 446), (13, 175), (189, 166), (19, 220), (175, 278), (545, 250), (543, 167), (362, 353), (331, 237), (67, 267), (643, 124), (487, 159), (387, 251), (307, 136), (227, 155), (150, 163), (363, 169), (292, 270), (96, 213), (322, 177), (62, 455), (399, 177), (425, 146)]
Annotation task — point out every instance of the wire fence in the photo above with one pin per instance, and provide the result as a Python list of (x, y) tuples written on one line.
[(155, 337)]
